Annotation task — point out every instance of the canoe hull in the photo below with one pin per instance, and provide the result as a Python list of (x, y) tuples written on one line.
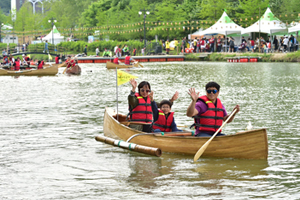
[(48, 71), (76, 70), (244, 145), (110, 65)]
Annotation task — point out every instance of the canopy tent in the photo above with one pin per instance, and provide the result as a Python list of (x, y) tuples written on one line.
[(295, 28), (268, 23), (54, 36), (224, 26)]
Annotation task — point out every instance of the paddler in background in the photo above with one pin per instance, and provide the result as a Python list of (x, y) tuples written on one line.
[(69, 62), (116, 60), (40, 64), (128, 59), (17, 64), (208, 111)]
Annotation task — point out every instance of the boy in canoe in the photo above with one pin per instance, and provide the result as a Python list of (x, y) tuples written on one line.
[(208, 111), (163, 117)]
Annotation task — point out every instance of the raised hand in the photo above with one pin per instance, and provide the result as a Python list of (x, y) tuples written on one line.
[(151, 95), (193, 94), (175, 96), (133, 82)]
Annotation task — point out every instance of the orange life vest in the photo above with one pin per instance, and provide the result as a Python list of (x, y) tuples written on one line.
[(162, 123), (212, 119), (143, 111)]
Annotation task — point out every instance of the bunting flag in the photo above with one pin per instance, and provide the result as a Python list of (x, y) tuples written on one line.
[(124, 77)]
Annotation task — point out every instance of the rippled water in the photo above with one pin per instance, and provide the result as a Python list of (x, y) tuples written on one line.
[(48, 125)]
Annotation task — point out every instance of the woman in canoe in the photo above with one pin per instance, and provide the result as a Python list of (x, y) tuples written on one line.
[(140, 106), (207, 110)]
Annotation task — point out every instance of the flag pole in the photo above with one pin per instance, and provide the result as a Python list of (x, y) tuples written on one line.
[(117, 93)]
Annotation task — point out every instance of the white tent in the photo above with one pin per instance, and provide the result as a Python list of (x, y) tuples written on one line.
[(55, 36), (224, 26), (268, 23), (295, 28)]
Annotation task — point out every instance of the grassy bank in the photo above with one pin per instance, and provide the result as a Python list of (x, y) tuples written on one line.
[(264, 57)]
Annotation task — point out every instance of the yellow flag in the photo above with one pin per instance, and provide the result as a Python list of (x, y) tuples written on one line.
[(50, 57), (123, 77), (28, 56)]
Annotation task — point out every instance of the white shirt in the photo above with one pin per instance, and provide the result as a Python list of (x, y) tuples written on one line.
[(286, 41)]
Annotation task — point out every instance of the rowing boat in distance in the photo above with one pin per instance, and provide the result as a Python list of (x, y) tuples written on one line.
[(46, 71), (75, 70), (251, 144), (111, 65)]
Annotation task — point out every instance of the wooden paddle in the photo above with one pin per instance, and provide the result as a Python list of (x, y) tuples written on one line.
[(202, 149), (65, 70), (140, 64), (61, 65)]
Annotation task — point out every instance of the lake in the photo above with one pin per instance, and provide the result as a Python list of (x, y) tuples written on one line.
[(48, 126)]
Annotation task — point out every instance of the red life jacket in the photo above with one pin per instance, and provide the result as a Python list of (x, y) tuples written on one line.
[(202, 42), (143, 111), (70, 63), (40, 66), (56, 60), (212, 41), (212, 119), (17, 66), (116, 60), (127, 60), (162, 123), (27, 58)]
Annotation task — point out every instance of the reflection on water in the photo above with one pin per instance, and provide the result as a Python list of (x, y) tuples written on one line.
[(48, 125)]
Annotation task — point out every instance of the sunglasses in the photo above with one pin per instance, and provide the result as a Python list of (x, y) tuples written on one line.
[(142, 90), (212, 91)]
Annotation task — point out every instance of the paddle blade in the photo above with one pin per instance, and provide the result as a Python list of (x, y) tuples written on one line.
[(201, 150), (140, 64)]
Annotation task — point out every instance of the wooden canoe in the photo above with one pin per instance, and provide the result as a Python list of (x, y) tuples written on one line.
[(244, 145), (47, 71), (76, 70), (110, 65)]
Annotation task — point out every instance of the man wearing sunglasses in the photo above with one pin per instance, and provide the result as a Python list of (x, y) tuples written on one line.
[(208, 111)]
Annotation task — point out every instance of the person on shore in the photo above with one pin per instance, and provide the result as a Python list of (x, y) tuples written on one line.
[(134, 52), (128, 59), (219, 44), (203, 44), (212, 44), (285, 43), (140, 106), (231, 44), (143, 51), (97, 51), (126, 50), (275, 42), (183, 45), (163, 117), (85, 50), (208, 110), (46, 50), (105, 53), (167, 46)]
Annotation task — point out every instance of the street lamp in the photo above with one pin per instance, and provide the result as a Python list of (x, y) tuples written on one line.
[(145, 14), (52, 20)]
